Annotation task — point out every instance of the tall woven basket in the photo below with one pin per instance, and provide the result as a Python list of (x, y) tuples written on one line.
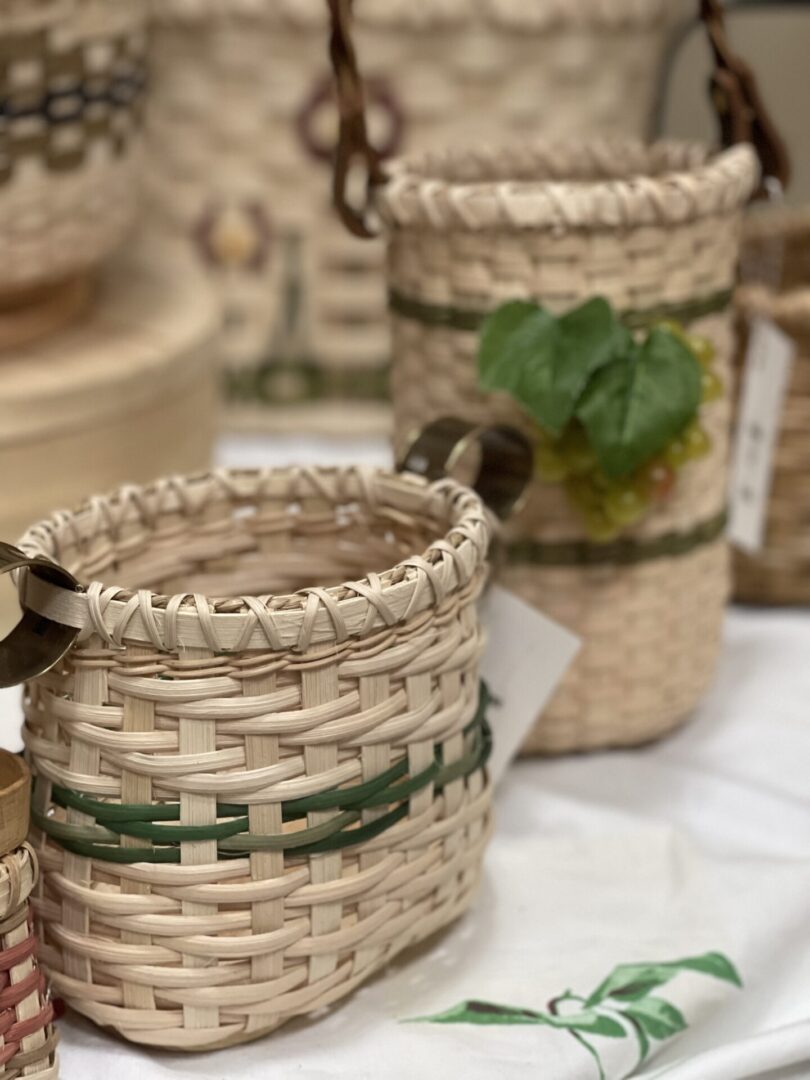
[(245, 805), (780, 573), (27, 1039), (655, 231), (72, 79), (242, 127)]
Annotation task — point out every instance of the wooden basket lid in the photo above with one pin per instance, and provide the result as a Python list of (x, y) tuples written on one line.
[(147, 334)]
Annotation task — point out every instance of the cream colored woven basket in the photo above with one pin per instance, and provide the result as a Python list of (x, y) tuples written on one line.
[(654, 230), (780, 573), (27, 1039), (126, 392), (242, 127), (247, 805), (72, 77)]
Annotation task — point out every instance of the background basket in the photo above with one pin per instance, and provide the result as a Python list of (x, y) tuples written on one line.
[(28, 1041), (242, 127), (654, 230), (780, 573), (72, 77), (126, 392), (248, 805)]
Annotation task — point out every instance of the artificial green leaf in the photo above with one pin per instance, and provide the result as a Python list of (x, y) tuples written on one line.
[(636, 404), (713, 963), (656, 1017), (544, 362), (484, 1012)]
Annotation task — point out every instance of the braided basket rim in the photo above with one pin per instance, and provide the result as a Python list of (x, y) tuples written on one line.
[(669, 182), (351, 609)]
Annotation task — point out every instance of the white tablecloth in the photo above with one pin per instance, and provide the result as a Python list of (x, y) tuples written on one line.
[(696, 849)]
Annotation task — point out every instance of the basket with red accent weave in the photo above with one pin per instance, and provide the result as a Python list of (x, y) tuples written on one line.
[(27, 1038)]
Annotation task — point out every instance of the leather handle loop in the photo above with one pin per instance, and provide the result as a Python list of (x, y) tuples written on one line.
[(738, 103), (353, 146), (505, 464), (36, 643)]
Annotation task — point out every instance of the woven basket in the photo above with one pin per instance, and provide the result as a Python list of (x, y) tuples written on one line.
[(245, 806), (242, 129), (27, 1042), (125, 393), (655, 230), (780, 573), (72, 77)]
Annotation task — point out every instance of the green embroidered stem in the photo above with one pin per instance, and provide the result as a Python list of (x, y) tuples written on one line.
[(466, 319), (623, 552), (102, 839)]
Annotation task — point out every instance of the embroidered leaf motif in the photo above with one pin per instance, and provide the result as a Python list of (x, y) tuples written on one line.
[(621, 1005), (657, 1017), (545, 362)]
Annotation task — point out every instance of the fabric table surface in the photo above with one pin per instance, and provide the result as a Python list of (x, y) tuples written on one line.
[(643, 913)]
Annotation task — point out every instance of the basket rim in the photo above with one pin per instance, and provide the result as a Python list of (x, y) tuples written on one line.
[(669, 182), (426, 14), (310, 616)]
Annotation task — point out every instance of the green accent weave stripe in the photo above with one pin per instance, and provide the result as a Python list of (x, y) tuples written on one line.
[(112, 820), (471, 320), (624, 552)]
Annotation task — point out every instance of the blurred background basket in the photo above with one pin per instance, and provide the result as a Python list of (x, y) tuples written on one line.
[(72, 79), (780, 573), (242, 126), (247, 806)]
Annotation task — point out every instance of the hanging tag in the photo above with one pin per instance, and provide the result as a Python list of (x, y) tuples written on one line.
[(526, 657), (766, 376)]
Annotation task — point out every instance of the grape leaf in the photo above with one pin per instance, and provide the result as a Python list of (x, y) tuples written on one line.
[(656, 1017), (544, 362), (637, 403)]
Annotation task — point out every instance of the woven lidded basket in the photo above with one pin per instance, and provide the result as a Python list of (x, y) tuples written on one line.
[(27, 1038), (655, 231), (780, 573), (242, 127), (72, 77), (246, 805)]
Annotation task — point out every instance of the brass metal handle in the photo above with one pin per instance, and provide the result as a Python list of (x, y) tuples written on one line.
[(505, 464), (36, 643)]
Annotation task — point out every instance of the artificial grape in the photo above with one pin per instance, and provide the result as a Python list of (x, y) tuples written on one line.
[(672, 327), (702, 349), (657, 479), (712, 386), (697, 441), (625, 504), (598, 525), (677, 453), (548, 464), (576, 451)]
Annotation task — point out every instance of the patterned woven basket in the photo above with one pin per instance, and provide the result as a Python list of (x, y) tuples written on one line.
[(780, 573), (27, 1039), (72, 75), (247, 805), (242, 129), (655, 230)]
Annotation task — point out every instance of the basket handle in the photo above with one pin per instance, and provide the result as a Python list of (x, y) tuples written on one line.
[(733, 88), (36, 643), (505, 464)]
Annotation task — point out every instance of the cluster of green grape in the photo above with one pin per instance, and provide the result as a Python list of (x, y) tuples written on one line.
[(608, 506)]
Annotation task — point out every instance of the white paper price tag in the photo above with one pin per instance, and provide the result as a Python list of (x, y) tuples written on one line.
[(766, 376), (527, 654)]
